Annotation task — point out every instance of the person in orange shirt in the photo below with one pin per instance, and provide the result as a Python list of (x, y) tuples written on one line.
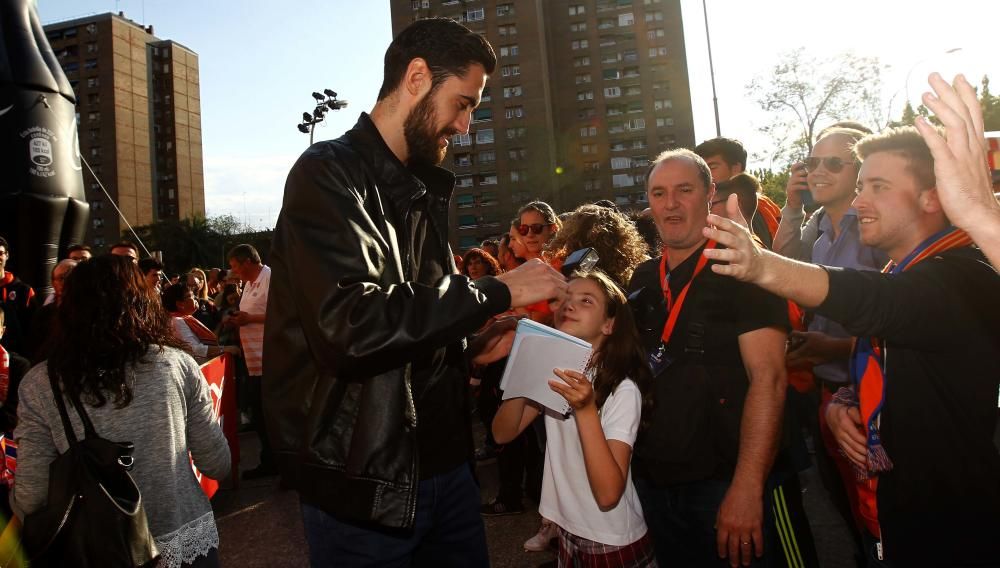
[(727, 157)]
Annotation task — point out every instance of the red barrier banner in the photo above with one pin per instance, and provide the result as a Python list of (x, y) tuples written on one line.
[(220, 374)]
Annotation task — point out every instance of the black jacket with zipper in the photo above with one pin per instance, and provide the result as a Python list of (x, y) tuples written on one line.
[(365, 317)]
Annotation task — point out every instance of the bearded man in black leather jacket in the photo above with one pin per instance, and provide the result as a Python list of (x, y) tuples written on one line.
[(364, 371)]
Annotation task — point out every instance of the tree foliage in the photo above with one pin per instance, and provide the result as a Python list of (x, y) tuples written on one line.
[(773, 183), (989, 102), (199, 242), (803, 94)]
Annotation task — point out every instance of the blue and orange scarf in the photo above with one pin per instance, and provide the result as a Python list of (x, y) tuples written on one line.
[(867, 364)]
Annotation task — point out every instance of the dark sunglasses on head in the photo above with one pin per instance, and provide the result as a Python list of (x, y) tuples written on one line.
[(833, 164), (535, 228)]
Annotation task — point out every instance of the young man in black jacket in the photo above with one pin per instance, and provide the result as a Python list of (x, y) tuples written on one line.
[(919, 420), (364, 370)]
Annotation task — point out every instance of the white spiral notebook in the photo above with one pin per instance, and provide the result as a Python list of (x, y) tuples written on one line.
[(537, 350)]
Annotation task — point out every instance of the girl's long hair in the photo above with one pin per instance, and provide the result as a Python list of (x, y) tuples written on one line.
[(620, 355), (107, 320)]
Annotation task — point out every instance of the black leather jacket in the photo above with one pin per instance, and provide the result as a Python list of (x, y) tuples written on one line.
[(362, 284)]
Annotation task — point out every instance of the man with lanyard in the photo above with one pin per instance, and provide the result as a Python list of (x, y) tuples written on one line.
[(717, 354), (919, 419)]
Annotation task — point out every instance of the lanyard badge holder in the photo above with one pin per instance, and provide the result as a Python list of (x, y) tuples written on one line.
[(658, 358)]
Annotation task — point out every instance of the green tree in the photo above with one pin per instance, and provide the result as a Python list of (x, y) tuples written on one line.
[(804, 93), (200, 242), (991, 106), (773, 183)]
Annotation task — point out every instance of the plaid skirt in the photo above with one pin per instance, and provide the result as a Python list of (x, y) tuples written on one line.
[(577, 552)]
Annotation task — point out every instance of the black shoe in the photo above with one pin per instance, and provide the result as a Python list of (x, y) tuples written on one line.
[(495, 508), (260, 472)]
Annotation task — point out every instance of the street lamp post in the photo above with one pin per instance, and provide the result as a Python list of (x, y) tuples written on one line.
[(324, 102), (711, 71)]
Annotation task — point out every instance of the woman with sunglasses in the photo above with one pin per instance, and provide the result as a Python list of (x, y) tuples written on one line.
[(539, 223)]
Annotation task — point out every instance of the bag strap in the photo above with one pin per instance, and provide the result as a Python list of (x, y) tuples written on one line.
[(88, 426)]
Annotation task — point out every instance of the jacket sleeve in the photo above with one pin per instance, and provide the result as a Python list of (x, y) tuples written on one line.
[(35, 445), (921, 308), (328, 260), (792, 240)]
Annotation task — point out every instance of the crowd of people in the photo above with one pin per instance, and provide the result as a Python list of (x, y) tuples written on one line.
[(727, 332), (121, 337)]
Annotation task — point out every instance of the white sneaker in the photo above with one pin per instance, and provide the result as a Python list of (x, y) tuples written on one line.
[(540, 542)]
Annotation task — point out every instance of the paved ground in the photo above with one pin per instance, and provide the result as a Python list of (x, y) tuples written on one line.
[(259, 524)]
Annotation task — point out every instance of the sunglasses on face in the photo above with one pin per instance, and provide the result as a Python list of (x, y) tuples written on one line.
[(833, 165), (534, 228)]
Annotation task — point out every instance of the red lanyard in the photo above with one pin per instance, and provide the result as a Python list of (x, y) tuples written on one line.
[(674, 309)]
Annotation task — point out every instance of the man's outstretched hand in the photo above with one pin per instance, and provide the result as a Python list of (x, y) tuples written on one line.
[(533, 282), (742, 253)]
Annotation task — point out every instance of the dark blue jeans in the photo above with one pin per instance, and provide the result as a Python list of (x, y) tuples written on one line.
[(681, 521), (448, 531)]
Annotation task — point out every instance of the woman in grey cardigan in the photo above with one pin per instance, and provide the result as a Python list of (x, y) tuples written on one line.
[(114, 349)]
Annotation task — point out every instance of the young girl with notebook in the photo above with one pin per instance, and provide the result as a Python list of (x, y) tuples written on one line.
[(587, 488)]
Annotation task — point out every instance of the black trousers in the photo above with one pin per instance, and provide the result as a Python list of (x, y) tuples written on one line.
[(255, 401)]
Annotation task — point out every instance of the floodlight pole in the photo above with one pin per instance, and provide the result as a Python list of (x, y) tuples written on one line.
[(328, 101), (711, 71)]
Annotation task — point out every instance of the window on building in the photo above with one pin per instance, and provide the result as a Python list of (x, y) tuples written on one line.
[(583, 78), (507, 30), (508, 50), (92, 47), (631, 72), (656, 16), (487, 156), (486, 95), (93, 98), (617, 146), (95, 151), (654, 33), (621, 163), (606, 23), (633, 90), (615, 110), (579, 44), (93, 82), (612, 92), (585, 95), (588, 131), (611, 74), (463, 160), (630, 56), (638, 143), (98, 222), (626, 19), (662, 104), (463, 181), (505, 10), (586, 114), (591, 184), (94, 116), (488, 179), (608, 40), (635, 124), (475, 15), (577, 10), (517, 154), (622, 180), (482, 115), (591, 166), (467, 222), (518, 132), (664, 122), (581, 61), (95, 134), (615, 128), (657, 51), (518, 176), (588, 148), (661, 85), (514, 112), (640, 161), (70, 32), (510, 70), (578, 27), (461, 140), (512, 91), (464, 201), (484, 136), (71, 67)]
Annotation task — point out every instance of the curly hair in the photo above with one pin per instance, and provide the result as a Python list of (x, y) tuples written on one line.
[(107, 321), (492, 266), (607, 231)]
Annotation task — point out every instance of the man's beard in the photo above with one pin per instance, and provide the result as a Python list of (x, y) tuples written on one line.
[(422, 142)]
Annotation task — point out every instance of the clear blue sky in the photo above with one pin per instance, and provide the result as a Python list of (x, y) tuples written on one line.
[(261, 59)]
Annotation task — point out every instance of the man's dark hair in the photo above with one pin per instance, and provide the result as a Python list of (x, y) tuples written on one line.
[(75, 248), (3, 243), (731, 151), (150, 263), (125, 244), (244, 252), (746, 187), (173, 294), (449, 48)]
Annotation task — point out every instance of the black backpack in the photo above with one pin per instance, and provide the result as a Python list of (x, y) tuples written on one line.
[(93, 515)]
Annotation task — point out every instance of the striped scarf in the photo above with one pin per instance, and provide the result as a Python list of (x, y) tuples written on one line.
[(867, 364)]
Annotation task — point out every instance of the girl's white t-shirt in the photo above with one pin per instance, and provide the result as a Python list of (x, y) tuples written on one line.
[(566, 496)]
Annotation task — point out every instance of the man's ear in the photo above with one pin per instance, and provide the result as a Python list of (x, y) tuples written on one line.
[(417, 79), (929, 201)]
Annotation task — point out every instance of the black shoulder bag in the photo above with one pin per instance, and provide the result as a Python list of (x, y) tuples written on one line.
[(94, 514)]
